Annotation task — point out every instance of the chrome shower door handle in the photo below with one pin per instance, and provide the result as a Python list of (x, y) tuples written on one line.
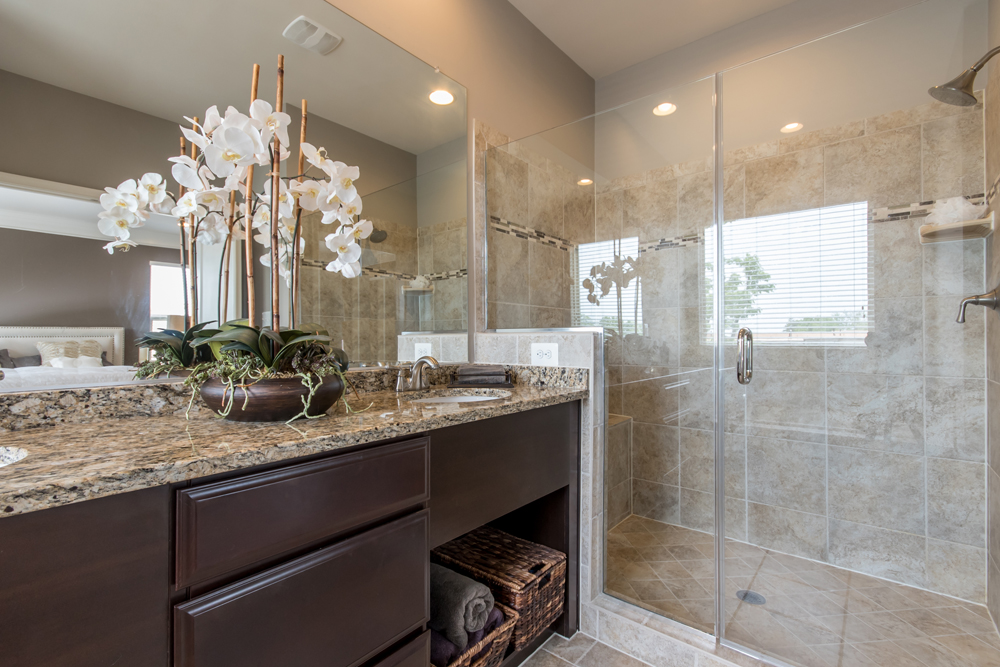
[(744, 360)]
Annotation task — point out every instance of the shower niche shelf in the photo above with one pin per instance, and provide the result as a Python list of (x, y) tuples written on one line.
[(958, 231)]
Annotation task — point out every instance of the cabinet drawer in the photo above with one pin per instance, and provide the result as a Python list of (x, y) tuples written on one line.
[(336, 607), (416, 653), (234, 523)]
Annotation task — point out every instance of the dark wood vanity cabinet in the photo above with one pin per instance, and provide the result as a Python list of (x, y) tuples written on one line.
[(318, 561)]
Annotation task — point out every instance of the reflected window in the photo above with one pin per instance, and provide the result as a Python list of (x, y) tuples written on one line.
[(608, 289), (798, 278), (166, 294)]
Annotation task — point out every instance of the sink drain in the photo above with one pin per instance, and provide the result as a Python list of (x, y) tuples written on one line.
[(750, 597)]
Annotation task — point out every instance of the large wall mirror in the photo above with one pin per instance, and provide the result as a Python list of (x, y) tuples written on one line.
[(94, 94)]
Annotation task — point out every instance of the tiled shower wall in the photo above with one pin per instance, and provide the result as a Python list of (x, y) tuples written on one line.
[(871, 458), (442, 256)]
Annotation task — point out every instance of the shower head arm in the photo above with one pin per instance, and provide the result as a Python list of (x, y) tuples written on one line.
[(985, 59)]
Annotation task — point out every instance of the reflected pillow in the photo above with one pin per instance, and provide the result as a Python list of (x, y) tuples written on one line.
[(69, 349), (5, 360), (25, 362), (104, 359), (89, 362), (90, 348), (62, 362)]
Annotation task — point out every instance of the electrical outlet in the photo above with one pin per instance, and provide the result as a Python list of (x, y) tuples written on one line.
[(545, 354), (421, 350)]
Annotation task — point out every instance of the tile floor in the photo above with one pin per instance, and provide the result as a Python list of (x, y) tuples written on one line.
[(582, 651), (816, 615)]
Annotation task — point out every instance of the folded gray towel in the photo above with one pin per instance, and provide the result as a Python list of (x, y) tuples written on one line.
[(481, 369), (481, 379), (459, 605)]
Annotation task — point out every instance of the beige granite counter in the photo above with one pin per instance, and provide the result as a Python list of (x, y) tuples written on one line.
[(72, 462)]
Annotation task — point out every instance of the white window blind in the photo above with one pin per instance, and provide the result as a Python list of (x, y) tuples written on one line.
[(587, 314), (798, 278)]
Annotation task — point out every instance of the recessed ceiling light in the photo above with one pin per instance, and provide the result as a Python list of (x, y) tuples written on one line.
[(664, 109), (442, 97), (584, 181), (792, 127)]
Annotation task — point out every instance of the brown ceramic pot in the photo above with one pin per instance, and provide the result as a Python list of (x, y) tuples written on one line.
[(274, 400)]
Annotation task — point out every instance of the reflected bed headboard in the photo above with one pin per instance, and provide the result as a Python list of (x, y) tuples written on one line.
[(21, 340)]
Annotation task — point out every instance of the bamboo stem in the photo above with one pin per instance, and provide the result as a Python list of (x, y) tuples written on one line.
[(227, 256), (275, 217), (296, 254), (248, 220), (183, 242), (193, 282)]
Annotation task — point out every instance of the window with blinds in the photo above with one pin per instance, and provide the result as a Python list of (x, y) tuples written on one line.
[(624, 315), (797, 278)]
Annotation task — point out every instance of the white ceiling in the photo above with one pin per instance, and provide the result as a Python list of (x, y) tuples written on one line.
[(603, 37), (174, 59)]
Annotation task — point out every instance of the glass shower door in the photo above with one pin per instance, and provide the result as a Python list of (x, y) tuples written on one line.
[(855, 458)]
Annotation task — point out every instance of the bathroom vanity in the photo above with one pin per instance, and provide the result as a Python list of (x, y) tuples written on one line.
[(305, 549)]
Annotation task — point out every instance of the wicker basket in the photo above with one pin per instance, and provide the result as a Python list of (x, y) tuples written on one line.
[(500, 639), (522, 575)]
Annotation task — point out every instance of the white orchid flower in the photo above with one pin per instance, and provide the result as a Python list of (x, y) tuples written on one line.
[(155, 187), (235, 180), (309, 193), (120, 244), (165, 206), (362, 230), (317, 157), (270, 122), (214, 199), (346, 269), (332, 216), (187, 205), (212, 120), (263, 239), (123, 198), (343, 181), (212, 230), (231, 147), (262, 217), (345, 247), (185, 172), (348, 211), (196, 138), (286, 204), (116, 223)]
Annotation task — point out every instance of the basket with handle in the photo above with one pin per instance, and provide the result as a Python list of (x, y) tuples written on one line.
[(494, 644), (528, 577)]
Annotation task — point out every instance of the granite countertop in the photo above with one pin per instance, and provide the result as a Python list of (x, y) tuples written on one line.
[(69, 463)]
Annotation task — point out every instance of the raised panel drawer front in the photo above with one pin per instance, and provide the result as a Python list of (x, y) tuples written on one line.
[(416, 653), (230, 524), (336, 607)]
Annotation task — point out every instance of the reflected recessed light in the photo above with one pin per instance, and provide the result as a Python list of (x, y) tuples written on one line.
[(442, 97), (792, 127), (584, 181), (664, 109)]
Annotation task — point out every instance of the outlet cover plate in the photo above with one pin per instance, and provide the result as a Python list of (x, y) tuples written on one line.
[(545, 354), (421, 350)]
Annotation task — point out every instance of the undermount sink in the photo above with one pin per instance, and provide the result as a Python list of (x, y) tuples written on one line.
[(462, 396), (10, 455)]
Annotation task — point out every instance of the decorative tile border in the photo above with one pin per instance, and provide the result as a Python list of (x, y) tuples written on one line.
[(382, 273), (912, 211), (992, 192), (522, 232), (676, 242)]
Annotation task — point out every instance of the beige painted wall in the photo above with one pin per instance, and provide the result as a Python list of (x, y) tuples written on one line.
[(518, 80)]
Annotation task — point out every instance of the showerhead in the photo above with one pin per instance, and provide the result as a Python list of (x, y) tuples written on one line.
[(378, 236), (958, 91)]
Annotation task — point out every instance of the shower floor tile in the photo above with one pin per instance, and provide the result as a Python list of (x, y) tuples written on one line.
[(815, 615)]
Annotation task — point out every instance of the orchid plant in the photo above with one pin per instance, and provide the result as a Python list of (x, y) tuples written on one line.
[(215, 175)]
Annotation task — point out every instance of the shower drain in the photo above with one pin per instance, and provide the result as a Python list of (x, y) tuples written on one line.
[(750, 597)]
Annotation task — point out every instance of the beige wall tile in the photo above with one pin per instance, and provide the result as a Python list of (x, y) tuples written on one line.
[(993, 512), (957, 569), (787, 531), (789, 358), (656, 453), (956, 501), (661, 346), (877, 488), (695, 350), (955, 418), (508, 268), (952, 349), (697, 460), (884, 412), (650, 211), (786, 405), (545, 202), (953, 160), (650, 394), (734, 193), (655, 501), (993, 427), (736, 519), (578, 215), (821, 137), (883, 553), (506, 187), (608, 222), (882, 169), (697, 510), (695, 202), (955, 269), (748, 153), (913, 116), (894, 344), (541, 317), (898, 258), (618, 457), (660, 272), (548, 277), (792, 182), (786, 473)]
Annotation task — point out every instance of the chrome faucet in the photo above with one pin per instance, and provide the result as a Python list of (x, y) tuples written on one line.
[(417, 379), (990, 300)]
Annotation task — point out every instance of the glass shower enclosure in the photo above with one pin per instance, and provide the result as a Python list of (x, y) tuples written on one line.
[(821, 501)]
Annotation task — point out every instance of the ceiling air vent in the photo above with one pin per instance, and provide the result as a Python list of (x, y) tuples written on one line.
[(310, 35)]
